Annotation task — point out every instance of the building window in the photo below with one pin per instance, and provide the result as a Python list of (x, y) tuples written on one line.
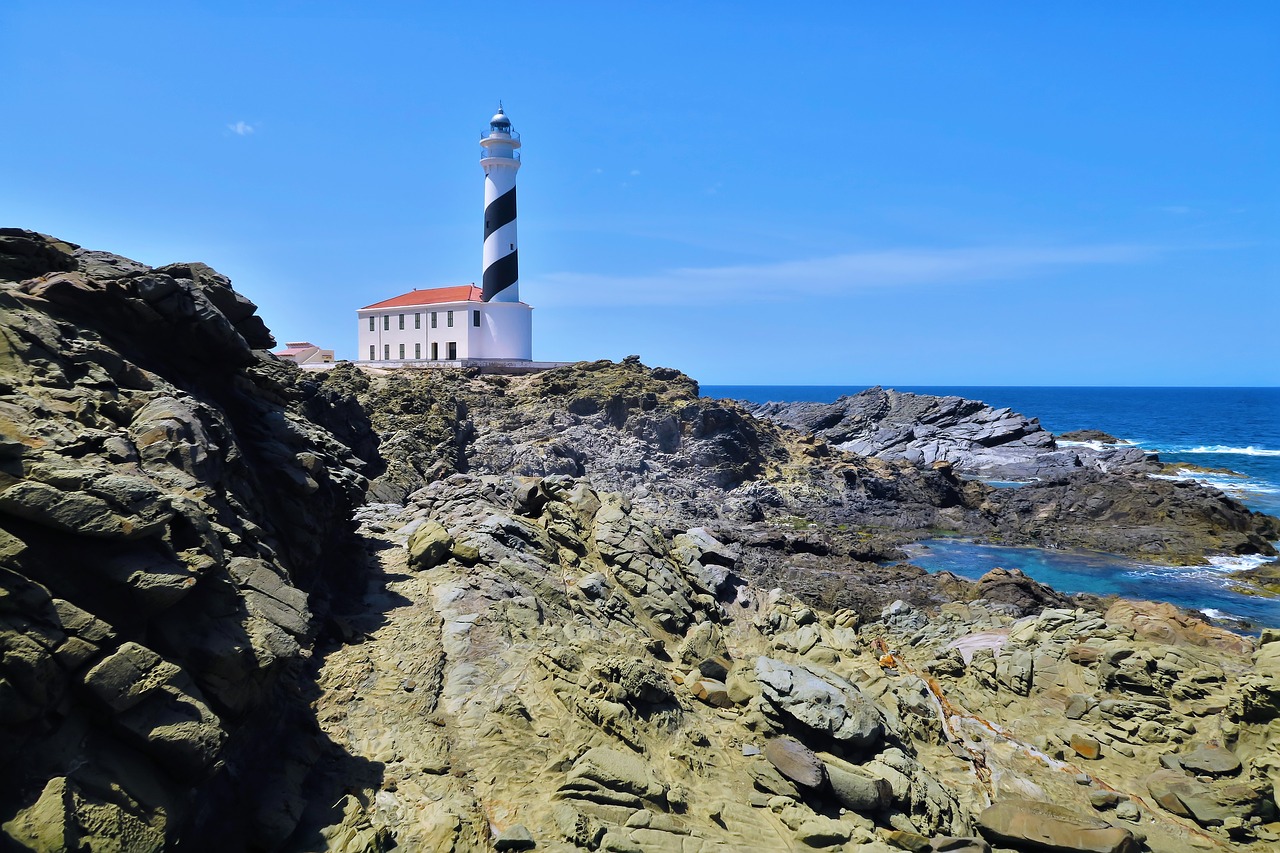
[(435, 350), (386, 322), (386, 352), (373, 352), (433, 319), (417, 352), (453, 350), (448, 319), (371, 326), (417, 321), (475, 317), (402, 352), (402, 322)]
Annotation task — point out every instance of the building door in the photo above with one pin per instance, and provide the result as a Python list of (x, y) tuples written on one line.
[(453, 350)]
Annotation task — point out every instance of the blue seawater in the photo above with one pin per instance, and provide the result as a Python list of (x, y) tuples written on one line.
[(1232, 428)]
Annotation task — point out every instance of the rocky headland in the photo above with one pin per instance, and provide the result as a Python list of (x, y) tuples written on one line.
[(244, 607)]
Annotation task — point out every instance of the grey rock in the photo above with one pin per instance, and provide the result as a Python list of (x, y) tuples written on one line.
[(862, 793), (514, 837), (825, 703), (795, 761), (1210, 760)]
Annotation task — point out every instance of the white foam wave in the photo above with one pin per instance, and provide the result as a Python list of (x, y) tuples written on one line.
[(1217, 568), (1222, 449), (1239, 563), (1092, 445), (1220, 615), (1236, 485)]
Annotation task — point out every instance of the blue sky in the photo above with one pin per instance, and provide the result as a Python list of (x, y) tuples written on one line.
[(840, 193)]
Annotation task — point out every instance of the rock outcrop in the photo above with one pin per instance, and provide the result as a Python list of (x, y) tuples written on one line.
[(171, 522), (975, 438), (580, 610)]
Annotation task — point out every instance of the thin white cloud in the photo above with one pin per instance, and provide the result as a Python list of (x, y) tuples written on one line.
[(1175, 209), (832, 276), (635, 172), (241, 128)]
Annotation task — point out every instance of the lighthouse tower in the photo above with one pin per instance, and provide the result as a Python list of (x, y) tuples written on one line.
[(500, 159)]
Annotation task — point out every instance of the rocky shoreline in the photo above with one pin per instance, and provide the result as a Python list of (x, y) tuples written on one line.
[(244, 607)]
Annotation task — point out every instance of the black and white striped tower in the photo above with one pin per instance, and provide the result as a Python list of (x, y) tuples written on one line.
[(501, 160)]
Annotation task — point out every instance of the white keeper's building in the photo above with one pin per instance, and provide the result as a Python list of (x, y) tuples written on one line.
[(461, 325), (445, 324)]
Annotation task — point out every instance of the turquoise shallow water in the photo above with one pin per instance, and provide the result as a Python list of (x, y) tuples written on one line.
[(1200, 588)]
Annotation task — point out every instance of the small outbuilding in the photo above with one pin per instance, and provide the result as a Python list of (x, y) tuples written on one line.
[(305, 353)]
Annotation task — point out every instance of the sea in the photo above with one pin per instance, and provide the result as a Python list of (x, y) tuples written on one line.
[(1236, 430)]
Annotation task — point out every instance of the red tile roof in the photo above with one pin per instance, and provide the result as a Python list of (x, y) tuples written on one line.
[(431, 296), (295, 348)]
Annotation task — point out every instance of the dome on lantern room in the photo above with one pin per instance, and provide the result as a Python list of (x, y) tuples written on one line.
[(500, 121)]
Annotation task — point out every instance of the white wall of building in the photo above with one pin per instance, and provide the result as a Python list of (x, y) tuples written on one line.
[(505, 332)]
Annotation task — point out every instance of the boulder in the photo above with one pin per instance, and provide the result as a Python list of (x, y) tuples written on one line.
[(825, 703), (1024, 595), (859, 792), (1210, 761), (1086, 747), (1045, 826), (795, 761), (429, 545), (713, 692)]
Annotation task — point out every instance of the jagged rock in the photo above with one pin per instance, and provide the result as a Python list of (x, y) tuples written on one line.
[(1183, 795), (153, 468), (64, 819), (156, 702), (514, 837), (1165, 623), (196, 654), (1015, 670), (962, 844), (1050, 827)]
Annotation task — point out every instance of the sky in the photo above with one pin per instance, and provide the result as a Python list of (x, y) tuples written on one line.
[(925, 193)]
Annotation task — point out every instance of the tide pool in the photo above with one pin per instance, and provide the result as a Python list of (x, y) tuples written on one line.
[(1201, 588)]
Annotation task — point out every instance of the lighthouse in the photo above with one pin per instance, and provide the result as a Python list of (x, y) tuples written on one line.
[(500, 159), (464, 325)]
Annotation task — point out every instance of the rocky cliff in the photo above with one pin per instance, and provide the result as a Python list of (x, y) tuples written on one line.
[(173, 519), (250, 608)]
